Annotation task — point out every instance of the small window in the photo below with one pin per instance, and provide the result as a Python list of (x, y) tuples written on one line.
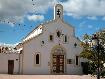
[(51, 37), (37, 58), (65, 38), (77, 60), (0, 50), (42, 42), (69, 61), (75, 45), (58, 33)]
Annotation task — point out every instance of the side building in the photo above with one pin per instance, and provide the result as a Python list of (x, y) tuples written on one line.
[(9, 60)]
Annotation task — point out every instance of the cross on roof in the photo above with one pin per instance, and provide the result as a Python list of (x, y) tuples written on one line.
[(58, 12)]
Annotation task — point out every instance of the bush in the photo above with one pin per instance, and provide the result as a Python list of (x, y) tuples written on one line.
[(102, 74)]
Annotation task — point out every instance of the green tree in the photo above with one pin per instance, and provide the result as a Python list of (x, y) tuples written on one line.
[(90, 52)]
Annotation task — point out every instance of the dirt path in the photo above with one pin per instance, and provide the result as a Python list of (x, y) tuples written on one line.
[(4, 76)]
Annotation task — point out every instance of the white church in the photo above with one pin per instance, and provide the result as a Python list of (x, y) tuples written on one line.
[(51, 48)]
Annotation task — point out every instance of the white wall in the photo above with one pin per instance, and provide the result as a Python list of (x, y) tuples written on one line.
[(34, 45), (4, 62)]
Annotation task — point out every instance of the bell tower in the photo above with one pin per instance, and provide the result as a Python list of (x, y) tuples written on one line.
[(58, 11)]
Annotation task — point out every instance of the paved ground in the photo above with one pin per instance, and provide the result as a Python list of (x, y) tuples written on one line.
[(4, 76)]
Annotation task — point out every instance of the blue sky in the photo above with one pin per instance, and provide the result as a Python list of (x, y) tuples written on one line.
[(19, 17)]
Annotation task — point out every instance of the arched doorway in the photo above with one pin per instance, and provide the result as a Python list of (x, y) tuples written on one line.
[(58, 58)]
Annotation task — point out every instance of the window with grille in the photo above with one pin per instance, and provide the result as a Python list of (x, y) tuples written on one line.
[(69, 61)]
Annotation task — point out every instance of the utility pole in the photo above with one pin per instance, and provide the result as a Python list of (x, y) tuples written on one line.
[(96, 38)]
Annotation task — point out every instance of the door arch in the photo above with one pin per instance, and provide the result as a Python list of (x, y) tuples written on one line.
[(58, 60)]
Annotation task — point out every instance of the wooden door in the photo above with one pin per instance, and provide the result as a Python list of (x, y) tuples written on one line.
[(10, 66), (58, 63)]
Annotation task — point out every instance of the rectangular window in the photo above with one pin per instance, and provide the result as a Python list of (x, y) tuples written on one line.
[(69, 61), (77, 60), (65, 39), (51, 37), (37, 58)]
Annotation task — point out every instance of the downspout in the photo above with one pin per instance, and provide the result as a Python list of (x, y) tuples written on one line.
[(19, 63), (22, 59)]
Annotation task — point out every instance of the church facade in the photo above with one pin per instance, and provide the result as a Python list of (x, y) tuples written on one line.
[(52, 48)]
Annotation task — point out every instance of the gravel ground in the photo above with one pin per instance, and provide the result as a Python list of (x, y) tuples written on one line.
[(5, 76)]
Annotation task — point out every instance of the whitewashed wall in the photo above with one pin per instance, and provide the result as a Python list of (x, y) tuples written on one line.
[(4, 62), (34, 45)]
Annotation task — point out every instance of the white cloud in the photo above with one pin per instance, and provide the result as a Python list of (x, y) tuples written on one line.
[(35, 17), (84, 25), (103, 18), (16, 10), (85, 7), (4, 44), (90, 26), (92, 18), (97, 28)]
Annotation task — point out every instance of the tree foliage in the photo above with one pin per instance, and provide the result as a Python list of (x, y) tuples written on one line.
[(91, 52)]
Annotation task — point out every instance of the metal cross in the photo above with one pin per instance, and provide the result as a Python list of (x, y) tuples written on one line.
[(58, 12)]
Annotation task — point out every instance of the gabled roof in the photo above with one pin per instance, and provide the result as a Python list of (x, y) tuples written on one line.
[(38, 30), (34, 33)]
